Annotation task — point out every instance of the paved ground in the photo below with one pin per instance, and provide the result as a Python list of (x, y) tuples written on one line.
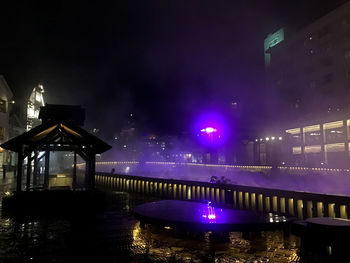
[(114, 235)]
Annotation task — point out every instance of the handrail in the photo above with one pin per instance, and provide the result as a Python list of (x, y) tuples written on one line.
[(294, 203)]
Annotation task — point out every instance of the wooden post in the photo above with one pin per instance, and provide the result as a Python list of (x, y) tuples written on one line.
[(29, 171), (92, 171), (47, 166), (75, 171), (35, 171), (87, 168), (19, 170)]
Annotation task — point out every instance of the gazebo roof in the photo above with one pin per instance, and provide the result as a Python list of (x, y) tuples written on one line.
[(62, 135)]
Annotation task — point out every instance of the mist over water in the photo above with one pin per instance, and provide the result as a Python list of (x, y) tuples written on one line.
[(333, 183)]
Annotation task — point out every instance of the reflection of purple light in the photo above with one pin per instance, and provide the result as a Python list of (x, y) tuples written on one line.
[(210, 215), (208, 130), (211, 212)]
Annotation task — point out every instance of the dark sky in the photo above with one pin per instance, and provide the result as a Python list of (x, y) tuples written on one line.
[(164, 60)]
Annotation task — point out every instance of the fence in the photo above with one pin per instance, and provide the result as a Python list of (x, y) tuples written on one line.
[(299, 204)]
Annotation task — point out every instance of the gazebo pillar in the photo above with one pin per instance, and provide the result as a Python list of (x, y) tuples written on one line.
[(74, 185), (35, 171), (19, 170), (47, 166), (92, 172), (29, 171), (86, 178)]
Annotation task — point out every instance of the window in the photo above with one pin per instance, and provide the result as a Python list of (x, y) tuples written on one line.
[(312, 134), (313, 149), (335, 147), (296, 150), (347, 73), (2, 133), (312, 84), (327, 78), (346, 20), (325, 62), (3, 105), (309, 69), (323, 32), (347, 54)]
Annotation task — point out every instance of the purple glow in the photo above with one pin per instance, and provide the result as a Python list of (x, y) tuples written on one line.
[(211, 129)]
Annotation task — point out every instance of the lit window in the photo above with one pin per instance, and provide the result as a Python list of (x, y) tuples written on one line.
[(38, 97), (293, 131), (333, 125), (296, 150), (30, 112), (335, 147), (311, 128), (313, 149)]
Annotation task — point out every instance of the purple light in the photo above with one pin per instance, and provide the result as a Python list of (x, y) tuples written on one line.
[(208, 130), (211, 129), (211, 216)]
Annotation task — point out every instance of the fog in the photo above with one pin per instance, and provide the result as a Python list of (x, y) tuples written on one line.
[(334, 183)]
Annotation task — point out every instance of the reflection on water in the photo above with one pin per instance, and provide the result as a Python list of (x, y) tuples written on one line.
[(30, 240), (160, 246), (113, 235)]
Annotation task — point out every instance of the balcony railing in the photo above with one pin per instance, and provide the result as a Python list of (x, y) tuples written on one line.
[(299, 204)]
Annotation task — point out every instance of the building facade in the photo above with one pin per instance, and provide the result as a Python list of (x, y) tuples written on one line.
[(310, 70), (5, 103), (323, 142), (35, 101)]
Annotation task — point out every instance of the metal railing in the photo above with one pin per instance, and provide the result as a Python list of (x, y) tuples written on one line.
[(299, 204)]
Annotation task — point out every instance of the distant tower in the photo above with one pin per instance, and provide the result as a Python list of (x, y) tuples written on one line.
[(35, 101)]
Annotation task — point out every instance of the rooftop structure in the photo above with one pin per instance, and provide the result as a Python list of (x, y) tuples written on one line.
[(56, 133)]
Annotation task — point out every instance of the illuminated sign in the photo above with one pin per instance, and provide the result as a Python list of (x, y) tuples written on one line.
[(270, 41)]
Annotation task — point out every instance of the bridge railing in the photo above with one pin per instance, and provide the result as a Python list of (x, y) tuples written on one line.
[(299, 204)]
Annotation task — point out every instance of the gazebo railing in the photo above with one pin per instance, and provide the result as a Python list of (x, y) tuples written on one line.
[(299, 204)]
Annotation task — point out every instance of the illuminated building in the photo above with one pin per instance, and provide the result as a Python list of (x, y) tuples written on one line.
[(35, 101), (322, 143), (266, 150), (310, 69), (5, 102)]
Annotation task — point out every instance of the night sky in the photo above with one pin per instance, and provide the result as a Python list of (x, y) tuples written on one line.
[(164, 61)]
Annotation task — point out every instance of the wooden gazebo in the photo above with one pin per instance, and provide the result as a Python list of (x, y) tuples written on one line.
[(60, 131)]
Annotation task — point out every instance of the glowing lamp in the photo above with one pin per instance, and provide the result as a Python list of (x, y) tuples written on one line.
[(211, 129), (208, 130)]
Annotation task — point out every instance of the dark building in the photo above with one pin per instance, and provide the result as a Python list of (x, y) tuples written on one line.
[(309, 70), (308, 79)]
